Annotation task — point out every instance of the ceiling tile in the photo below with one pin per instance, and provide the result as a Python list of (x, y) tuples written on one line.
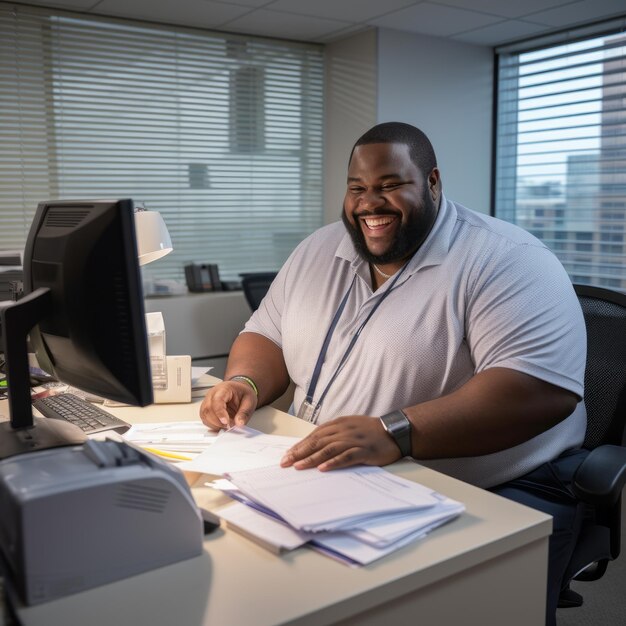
[(77, 5), (247, 3), (348, 10), (435, 19), (506, 31), (198, 13), (284, 25), (505, 8), (344, 32), (578, 12)]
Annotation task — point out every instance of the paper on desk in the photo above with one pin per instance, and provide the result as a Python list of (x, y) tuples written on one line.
[(263, 529), (191, 436), (240, 448), (376, 538), (380, 532), (348, 549), (197, 373), (311, 500)]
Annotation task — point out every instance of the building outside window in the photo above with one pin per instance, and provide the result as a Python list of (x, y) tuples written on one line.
[(561, 149)]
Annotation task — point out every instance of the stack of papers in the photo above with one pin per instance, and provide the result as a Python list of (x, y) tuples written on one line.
[(191, 436), (356, 515)]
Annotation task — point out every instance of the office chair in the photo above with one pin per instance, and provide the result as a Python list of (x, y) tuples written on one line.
[(255, 286), (599, 480)]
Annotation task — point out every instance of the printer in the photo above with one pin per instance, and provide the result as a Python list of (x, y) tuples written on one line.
[(77, 517)]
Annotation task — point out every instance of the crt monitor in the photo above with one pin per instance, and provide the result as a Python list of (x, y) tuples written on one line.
[(83, 312)]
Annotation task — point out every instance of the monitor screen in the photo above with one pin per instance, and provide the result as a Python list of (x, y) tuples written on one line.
[(83, 311)]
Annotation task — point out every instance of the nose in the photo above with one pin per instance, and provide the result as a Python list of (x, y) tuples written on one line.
[(371, 199)]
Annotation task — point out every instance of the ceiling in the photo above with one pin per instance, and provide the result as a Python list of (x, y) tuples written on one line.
[(483, 22)]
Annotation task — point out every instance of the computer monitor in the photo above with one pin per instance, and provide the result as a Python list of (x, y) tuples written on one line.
[(83, 312)]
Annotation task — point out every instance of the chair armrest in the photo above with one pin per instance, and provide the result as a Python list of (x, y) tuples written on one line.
[(600, 478)]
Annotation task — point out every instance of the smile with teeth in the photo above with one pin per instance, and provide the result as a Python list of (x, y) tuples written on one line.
[(378, 222)]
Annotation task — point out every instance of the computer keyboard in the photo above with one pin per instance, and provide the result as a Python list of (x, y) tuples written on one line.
[(84, 414)]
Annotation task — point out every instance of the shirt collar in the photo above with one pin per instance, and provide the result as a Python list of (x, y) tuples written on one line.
[(432, 252)]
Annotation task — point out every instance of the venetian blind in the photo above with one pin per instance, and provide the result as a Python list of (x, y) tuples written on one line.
[(561, 149), (221, 134)]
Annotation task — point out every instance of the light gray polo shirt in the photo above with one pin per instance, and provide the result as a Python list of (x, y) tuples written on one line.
[(479, 293)]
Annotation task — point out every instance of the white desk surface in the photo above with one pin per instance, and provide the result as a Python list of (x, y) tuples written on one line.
[(486, 567)]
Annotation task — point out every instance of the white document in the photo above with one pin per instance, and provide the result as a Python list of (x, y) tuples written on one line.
[(350, 550), (383, 531), (240, 448), (384, 534), (311, 500), (191, 436), (263, 529), (198, 372)]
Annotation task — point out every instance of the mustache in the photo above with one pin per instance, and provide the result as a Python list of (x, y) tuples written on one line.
[(377, 213)]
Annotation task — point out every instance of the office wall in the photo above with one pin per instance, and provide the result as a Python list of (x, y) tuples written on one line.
[(203, 325), (350, 109), (445, 88)]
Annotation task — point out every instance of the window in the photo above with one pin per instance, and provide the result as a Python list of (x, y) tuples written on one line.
[(561, 149), (221, 134)]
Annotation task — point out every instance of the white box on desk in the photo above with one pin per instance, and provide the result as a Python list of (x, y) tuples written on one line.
[(178, 381)]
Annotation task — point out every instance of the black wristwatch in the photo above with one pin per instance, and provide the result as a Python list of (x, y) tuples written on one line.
[(397, 424)]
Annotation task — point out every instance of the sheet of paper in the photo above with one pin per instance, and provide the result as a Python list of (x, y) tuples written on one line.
[(197, 373), (383, 531), (311, 500), (240, 448), (269, 532), (191, 436), (349, 549)]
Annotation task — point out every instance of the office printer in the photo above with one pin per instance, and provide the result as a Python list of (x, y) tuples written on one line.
[(81, 516)]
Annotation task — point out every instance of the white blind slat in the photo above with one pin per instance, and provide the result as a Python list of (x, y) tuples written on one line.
[(220, 133)]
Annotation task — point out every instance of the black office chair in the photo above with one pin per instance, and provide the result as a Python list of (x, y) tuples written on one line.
[(600, 478), (255, 286)]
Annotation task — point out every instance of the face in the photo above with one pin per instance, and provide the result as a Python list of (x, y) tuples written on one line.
[(390, 205)]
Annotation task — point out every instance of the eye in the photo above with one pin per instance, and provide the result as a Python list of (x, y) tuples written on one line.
[(390, 186), (355, 189)]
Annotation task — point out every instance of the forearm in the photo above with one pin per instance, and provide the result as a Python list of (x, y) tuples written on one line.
[(496, 409), (260, 359)]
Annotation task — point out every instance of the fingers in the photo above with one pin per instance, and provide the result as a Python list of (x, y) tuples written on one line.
[(332, 457), (322, 450), (305, 448), (228, 404), (343, 442), (245, 410)]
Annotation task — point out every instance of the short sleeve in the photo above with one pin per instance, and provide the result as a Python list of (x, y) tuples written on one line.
[(523, 314)]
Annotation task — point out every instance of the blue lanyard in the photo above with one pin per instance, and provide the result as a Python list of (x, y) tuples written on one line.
[(329, 334)]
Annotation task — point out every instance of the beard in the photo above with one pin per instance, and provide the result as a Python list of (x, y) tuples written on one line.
[(409, 236)]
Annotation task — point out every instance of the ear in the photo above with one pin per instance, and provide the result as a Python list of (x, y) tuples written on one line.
[(434, 183)]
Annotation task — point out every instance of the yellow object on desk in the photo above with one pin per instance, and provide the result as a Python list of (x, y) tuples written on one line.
[(168, 455)]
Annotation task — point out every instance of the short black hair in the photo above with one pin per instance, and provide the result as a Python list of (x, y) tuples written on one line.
[(420, 148)]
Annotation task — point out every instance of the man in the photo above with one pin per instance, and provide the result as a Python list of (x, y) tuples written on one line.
[(420, 328)]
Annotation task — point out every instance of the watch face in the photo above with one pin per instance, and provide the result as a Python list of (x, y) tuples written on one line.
[(397, 424)]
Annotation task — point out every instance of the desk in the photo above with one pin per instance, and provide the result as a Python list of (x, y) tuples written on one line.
[(486, 567)]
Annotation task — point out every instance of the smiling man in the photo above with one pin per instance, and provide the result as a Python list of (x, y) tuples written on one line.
[(417, 327)]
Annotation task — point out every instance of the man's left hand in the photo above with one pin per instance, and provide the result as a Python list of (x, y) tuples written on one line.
[(344, 441)]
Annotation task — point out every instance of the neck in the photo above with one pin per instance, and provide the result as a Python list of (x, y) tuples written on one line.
[(382, 273)]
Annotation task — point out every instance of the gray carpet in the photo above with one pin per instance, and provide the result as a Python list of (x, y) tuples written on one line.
[(604, 599)]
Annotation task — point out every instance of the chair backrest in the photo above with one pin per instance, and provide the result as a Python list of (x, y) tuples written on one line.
[(255, 286), (605, 374)]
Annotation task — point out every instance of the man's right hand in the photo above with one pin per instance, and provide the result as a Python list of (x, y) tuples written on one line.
[(228, 404)]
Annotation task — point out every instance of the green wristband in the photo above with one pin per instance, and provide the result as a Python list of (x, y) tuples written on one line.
[(250, 382)]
